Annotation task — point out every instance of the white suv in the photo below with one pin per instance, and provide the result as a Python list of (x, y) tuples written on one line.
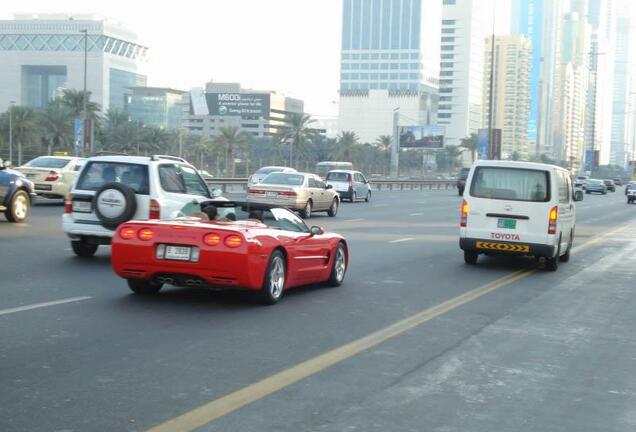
[(111, 190)]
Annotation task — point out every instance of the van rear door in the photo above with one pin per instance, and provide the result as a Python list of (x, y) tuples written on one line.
[(509, 204)]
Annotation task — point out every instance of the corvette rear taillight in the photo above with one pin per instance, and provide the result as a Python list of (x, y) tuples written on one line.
[(463, 220), (155, 210), (68, 204), (145, 234), (233, 241), (552, 220), (127, 233), (52, 176), (211, 239)]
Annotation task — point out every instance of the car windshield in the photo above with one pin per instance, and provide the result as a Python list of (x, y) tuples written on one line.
[(269, 170), (284, 179), (511, 184), (98, 173), (338, 176), (48, 162)]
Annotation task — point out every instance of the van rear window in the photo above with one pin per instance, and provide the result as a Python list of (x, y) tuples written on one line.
[(513, 184)]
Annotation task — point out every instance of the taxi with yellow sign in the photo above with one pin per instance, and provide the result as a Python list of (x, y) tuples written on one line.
[(518, 208)]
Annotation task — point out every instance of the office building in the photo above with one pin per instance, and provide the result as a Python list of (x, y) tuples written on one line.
[(43, 54), (465, 25), (389, 61), (510, 96), (620, 105), (155, 106), (259, 113)]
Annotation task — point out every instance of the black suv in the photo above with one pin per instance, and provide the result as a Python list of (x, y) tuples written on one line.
[(461, 180), (16, 193)]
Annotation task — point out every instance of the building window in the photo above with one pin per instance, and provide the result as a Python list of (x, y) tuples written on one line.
[(374, 66), (449, 2), (445, 98), (444, 107), (373, 76), (393, 76), (446, 73), (448, 47), (414, 76), (448, 30), (364, 76), (446, 90), (384, 76), (444, 115), (448, 38), (447, 56), (346, 66), (394, 66), (364, 66), (394, 56), (448, 22)]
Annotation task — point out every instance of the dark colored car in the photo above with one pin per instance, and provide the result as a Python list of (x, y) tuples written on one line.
[(611, 186), (629, 186), (16, 194), (618, 182), (461, 180)]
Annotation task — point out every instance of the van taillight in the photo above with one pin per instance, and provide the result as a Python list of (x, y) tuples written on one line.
[(464, 214), (155, 210), (68, 203), (552, 220), (52, 176)]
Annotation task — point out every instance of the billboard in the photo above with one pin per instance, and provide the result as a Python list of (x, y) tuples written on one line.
[(428, 137), (589, 160), (238, 104)]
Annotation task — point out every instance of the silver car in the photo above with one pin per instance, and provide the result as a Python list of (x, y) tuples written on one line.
[(263, 172), (303, 192), (351, 185)]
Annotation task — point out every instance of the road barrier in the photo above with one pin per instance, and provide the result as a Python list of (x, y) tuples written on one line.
[(239, 185)]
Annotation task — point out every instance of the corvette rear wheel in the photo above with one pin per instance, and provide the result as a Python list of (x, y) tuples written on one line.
[(144, 287), (339, 267), (274, 282)]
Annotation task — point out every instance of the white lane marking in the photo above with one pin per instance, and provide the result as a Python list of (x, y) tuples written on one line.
[(41, 305), (402, 240), (416, 214), (354, 220)]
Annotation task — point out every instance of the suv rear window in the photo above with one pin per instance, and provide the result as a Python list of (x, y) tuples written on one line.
[(513, 184), (338, 176), (97, 174)]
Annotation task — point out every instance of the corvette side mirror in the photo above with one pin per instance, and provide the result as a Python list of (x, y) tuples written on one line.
[(316, 230)]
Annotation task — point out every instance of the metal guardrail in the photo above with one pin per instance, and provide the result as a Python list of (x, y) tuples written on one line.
[(239, 185)]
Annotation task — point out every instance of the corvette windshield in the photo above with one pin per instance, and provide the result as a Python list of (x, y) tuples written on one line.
[(284, 179)]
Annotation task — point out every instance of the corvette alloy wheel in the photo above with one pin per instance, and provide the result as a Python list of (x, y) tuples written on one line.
[(341, 264), (277, 277)]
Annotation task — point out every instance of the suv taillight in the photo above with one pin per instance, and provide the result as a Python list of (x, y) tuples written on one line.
[(463, 220), (68, 203), (552, 220), (155, 210), (52, 176)]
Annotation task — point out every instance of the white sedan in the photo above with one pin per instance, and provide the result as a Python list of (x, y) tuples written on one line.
[(53, 175)]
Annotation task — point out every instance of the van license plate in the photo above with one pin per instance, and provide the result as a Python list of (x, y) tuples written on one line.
[(507, 223), (179, 253)]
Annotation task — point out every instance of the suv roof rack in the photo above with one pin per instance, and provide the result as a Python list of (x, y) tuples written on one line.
[(109, 153), (174, 158)]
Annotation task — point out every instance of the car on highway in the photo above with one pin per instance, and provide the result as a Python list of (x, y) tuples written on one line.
[(350, 185), (260, 248), (610, 185), (263, 172), (461, 180), (322, 168), (631, 195), (16, 194), (53, 176), (596, 186), (302, 192), (518, 208), (581, 181), (629, 186), (618, 181), (111, 190)]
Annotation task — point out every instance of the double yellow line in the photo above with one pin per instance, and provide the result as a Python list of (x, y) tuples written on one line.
[(217, 408)]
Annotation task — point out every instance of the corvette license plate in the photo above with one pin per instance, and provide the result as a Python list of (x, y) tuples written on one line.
[(507, 223), (179, 253), (82, 206)]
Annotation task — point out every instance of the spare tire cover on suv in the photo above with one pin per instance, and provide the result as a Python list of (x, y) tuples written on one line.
[(114, 203)]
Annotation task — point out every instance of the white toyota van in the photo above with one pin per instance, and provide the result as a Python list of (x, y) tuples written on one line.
[(518, 208)]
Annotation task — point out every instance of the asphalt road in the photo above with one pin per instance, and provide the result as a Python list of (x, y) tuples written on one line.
[(535, 351)]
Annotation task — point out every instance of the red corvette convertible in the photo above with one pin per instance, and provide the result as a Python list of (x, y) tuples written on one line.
[(229, 245)]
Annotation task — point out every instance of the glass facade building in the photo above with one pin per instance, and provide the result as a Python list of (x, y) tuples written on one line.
[(121, 83), (41, 84), (158, 107), (381, 41)]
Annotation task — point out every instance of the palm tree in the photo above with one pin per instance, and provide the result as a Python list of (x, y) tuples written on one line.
[(384, 142), (346, 141), (230, 138), (115, 118), (56, 121), (24, 127), (471, 144), (74, 99), (453, 154), (298, 133)]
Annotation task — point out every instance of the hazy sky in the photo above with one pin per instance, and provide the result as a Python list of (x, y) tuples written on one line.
[(291, 46)]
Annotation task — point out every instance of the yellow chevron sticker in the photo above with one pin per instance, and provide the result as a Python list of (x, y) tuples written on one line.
[(507, 247)]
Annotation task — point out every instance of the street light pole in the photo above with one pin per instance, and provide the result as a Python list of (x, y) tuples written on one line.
[(491, 147), (85, 95), (11, 131)]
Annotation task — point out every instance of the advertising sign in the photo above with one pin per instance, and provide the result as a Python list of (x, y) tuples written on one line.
[(589, 160), (482, 140), (197, 99), (486, 149), (238, 104), (77, 135), (429, 137)]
